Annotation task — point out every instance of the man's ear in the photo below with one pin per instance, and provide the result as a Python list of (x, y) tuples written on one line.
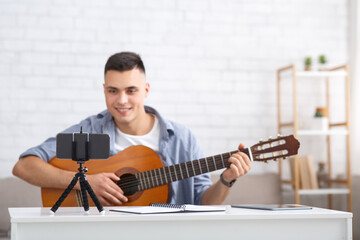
[(147, 89)]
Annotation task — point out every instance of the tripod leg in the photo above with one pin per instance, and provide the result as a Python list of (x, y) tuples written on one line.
[(64, 194), (83, 192), (93, 196)]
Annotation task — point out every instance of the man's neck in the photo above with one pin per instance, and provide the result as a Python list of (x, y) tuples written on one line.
[(139, 127)]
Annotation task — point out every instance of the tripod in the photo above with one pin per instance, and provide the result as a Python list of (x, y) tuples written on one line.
[(84, 184), (85, 187)]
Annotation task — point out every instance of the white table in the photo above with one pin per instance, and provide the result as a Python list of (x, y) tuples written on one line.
[(235, 223)]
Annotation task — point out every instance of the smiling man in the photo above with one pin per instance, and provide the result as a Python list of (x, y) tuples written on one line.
[(129, 122)]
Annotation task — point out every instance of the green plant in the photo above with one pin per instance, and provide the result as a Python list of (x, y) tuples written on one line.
[(308, 61), (322, 59), (317, 114)]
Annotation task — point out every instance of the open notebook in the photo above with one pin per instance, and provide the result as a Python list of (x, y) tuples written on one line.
[(169, 208)]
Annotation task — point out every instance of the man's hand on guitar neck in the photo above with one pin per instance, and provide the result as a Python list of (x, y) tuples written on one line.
[(240, 165), (105, 188)]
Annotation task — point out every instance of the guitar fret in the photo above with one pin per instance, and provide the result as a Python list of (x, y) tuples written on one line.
[(145, 180), (222, 160), (207, 166), (152, 178), (199, 166), (214, 163), (182, 177), (192, 164), (187, 164), (164, 174), (187, 170), (175, 173), (142, 181), (169, 173), (148, 179), (157, 176)]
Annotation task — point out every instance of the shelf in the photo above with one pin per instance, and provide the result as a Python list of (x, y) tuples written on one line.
[(322, 132), (316, 74), (324, 191), (312, 74), (321, 191)]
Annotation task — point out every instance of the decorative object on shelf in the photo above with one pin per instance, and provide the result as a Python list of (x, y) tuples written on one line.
[(320, 120), (307, 173), (322, 176), (321, 112), (322, 63), (307, 63)]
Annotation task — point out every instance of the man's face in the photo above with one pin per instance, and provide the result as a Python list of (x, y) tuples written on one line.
[(125, 93)]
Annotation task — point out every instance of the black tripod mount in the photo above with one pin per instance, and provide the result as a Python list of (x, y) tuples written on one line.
[(84, 184)]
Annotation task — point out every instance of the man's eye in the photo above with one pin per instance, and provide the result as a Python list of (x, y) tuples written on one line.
[(132, 91), (111, 91)]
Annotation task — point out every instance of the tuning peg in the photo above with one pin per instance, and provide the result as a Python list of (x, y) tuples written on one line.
[(285, 158), (266, 161), (261, 140), (270, 138), (275, 159), (279, 135)]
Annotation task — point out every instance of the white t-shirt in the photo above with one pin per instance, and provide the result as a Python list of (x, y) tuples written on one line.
[(150, 139)]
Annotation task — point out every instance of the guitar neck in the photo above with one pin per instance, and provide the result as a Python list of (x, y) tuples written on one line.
[(165, 175)]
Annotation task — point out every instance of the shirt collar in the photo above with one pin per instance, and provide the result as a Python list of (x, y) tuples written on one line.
[(166, 128)]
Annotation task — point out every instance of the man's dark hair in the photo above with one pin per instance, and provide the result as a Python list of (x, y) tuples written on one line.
[(124, 61)]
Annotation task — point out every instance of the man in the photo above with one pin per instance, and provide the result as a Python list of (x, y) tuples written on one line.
[(129, 122)]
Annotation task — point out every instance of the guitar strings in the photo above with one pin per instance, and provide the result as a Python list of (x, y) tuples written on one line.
[(156, 179)]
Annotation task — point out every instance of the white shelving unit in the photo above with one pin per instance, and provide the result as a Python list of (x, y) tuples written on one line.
[(320, 132), (335, 129)]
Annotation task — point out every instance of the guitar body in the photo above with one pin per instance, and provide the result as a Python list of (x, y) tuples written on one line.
[(132, 160)]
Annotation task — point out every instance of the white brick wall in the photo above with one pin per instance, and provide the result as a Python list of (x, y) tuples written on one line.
[(211, 64)]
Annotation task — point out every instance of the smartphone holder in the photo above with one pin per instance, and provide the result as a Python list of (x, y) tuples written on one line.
[(80, 176)]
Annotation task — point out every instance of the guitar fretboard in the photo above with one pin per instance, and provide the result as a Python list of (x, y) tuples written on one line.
[(165, 175)]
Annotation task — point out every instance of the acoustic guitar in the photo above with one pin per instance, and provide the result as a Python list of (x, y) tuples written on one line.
[(144, 178)]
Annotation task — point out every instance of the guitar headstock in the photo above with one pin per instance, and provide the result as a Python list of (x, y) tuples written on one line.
[(274, 149)]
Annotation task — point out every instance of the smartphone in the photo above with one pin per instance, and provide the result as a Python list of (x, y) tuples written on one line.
[(82, 146)]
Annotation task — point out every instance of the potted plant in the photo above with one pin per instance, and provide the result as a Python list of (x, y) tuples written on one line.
[(322, 62), (307, 63)]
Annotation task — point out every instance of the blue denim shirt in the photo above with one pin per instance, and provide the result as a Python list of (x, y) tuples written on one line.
[(177, 144)]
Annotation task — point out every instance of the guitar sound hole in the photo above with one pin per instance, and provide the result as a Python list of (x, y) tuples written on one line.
[(129, 184)]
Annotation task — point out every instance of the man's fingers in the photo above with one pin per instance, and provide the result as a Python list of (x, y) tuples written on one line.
[(105, 187), (117, 193), (112, 176), (104, 201), (240, 164), (236, 170), (241, 146), (114, 200)]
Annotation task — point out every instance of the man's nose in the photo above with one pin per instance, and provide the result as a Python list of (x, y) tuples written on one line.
[(122, 98)]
